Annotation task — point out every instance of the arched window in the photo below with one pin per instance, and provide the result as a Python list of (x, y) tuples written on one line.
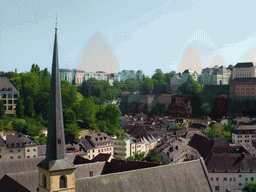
[(63, 181), (44, 181)]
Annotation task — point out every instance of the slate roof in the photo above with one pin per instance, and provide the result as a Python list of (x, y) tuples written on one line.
[(231, 162), (28, 179), (17, 166), (243, 80), (7, 184), (220, 142), (101, 157), (186, 176), (6, 83), (2, 141), (244, 64), (119, 165), (202, 144), (18, 138), (83, 170)]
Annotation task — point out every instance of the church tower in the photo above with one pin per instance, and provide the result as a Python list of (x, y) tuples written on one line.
[(56, 172)]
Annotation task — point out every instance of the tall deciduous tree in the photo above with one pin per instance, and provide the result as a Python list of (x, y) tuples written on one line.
[(85, 89), (20, 107), (2, 111), (87, 112), (158, 76), (29, 106)]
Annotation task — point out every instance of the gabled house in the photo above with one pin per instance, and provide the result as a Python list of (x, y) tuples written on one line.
[(9, 94)]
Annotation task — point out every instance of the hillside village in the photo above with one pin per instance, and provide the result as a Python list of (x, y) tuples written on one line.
[(172, 132)]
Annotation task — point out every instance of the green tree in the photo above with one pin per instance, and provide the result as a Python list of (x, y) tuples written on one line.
[(2, 111), (35, 68), (69, 117), (168, 76), (85, 89), (33, 127), (250, 187), (72, 129), (112, 116), (154, 157), (149, 83), (158, 108), (137, 156), (19, 126), (158, 76), (144, 90), (29, 106), (206, 110), (87, 112), (42, 139)]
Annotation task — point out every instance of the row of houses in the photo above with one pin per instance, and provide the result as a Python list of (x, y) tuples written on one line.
[(77, 76)]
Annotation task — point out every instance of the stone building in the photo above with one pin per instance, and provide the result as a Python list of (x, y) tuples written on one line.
[(95, 144), (243, 70), (17, 146), (243, 86), (9, 94), (216, 75)]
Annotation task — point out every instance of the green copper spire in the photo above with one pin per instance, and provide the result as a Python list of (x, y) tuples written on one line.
[(56, 150)]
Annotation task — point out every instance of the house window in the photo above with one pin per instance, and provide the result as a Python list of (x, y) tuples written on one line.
[(11, 151), (91, 173), (19, 157), (5, 107), (252, 178), (230, 179), (89, 156), (9, 107), (34, 149), (99, 150), (225, 179), (240, 175), (9, 95), (0, 156), (217, 179), (44, 181), (217, 188), (15, 101), (11, 157), (3, 95), (93, 150), (63, 181), (15, 95), (234, 179), (246, 179), (18, 150), (28, 150), (9, 101), (34, 155), (4, 101), (211, 179), (28, 156)]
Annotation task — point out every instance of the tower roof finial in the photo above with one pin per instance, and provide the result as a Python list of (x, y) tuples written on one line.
[(56, 21)]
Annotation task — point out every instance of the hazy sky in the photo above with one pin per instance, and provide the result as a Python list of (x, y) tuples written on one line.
[(142, 34)]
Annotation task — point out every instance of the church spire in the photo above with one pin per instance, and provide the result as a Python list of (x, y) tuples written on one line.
[(55, 140), (56, 150)]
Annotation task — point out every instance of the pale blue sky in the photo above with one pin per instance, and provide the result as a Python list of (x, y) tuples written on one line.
[(142, 34)]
